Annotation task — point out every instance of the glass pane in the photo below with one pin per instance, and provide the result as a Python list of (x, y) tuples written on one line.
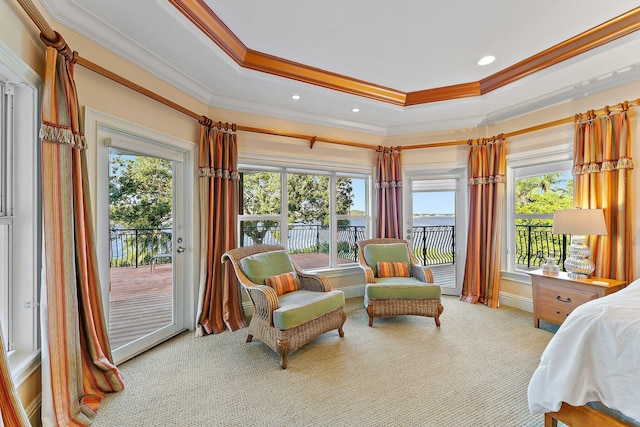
[(351, 208), (544, 194), (260, 232), (308, 218), (5, 271), (350, 196), (349, 233), (141, 249), (434, 227), (537, 196), (260, 193)]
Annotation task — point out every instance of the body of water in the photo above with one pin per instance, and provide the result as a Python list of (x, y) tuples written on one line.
[(422, 221)]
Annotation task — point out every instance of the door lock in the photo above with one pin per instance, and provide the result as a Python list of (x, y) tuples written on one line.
[(180, 249)]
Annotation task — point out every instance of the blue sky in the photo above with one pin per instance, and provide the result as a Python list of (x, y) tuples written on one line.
[(434, 202)]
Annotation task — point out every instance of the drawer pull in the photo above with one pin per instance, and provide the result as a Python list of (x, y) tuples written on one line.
[(559, 298)]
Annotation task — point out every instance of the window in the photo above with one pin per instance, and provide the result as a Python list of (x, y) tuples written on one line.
[(6, 217), (536, 192), (20, 247), (317, 216)]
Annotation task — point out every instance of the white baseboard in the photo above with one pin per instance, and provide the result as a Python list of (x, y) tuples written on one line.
[(353, 291), (516, 301)]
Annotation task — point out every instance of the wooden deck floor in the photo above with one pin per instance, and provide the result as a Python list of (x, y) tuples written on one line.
[(140, 302)]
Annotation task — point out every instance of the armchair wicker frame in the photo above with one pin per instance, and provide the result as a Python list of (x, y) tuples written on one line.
[(265, 302), (428, 307)]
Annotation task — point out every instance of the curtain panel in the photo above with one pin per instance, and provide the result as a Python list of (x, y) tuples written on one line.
[(487, 167), (602, 167), (219, 301), (12, 412), (389, 192), (80, 368)]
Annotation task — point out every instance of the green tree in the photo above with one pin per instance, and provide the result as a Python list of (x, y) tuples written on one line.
[(140, 192), (307, 200), (543, 194), (260, 196)]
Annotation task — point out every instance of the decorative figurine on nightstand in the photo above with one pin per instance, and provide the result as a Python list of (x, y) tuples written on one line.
[(550, 267)]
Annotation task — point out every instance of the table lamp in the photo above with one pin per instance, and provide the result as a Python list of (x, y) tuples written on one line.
[(579, 223)]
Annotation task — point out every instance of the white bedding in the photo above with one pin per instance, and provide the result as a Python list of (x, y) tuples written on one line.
[(594, 356)]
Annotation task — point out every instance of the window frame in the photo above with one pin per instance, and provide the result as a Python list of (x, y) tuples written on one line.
[(558, 153), (23, 213), (285, 168)]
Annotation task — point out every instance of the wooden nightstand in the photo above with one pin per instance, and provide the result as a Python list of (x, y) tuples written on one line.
[(554, 297)]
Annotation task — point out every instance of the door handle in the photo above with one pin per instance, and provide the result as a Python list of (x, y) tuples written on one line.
[(180, 249)]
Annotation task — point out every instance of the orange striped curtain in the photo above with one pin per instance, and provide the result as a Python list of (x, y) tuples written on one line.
[(11, 410), (389, 191), (79, 370), (487, 167), (219, 302), (602, 175)]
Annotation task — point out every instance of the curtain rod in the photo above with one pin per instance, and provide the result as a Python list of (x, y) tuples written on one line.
[(54, 39), (594, 113)]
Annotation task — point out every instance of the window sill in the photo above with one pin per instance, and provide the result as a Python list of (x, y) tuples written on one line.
[(339, 271), (23, 364)]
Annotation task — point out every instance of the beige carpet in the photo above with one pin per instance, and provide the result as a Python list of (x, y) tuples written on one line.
[(473, 371)]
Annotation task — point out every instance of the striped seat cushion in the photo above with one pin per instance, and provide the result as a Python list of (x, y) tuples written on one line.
[(392, 269), (283, 283)]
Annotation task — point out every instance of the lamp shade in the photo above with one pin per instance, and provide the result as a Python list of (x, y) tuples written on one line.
[(579, 222)]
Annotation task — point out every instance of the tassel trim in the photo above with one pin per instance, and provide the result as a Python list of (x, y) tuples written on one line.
[(389, 184), (624, 163), (487, 180), (219, 173), (58, 134)]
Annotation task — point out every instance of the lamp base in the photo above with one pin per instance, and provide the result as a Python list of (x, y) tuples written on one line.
[(578, 263)]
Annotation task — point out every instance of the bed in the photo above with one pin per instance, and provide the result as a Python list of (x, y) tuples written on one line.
[(589, 374)]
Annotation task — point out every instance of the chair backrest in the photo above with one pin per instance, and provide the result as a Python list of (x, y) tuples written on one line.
[(372, 251), (253, 264)]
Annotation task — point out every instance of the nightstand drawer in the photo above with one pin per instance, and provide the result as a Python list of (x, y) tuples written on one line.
[(554, 297), (556, 303)]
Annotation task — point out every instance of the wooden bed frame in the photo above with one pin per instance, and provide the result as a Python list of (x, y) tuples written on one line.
[(581, 416)]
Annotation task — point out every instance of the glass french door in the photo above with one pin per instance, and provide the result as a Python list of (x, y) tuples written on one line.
[(435, 224), (143, 271)]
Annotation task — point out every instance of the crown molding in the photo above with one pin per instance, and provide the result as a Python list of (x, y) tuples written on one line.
[(201, 15)]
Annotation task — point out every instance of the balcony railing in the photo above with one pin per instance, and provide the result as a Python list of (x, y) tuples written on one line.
[(432, 245), (134, 247), (536, 243)]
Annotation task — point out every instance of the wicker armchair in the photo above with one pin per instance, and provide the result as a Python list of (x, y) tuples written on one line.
[(393, 296), (285, 322)]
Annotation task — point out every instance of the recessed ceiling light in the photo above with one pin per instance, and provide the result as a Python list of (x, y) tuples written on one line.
[(355, 110), (486, 60), (296, 97)]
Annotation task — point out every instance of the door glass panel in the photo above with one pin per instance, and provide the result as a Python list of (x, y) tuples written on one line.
[(434, 234), (141, 246)]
